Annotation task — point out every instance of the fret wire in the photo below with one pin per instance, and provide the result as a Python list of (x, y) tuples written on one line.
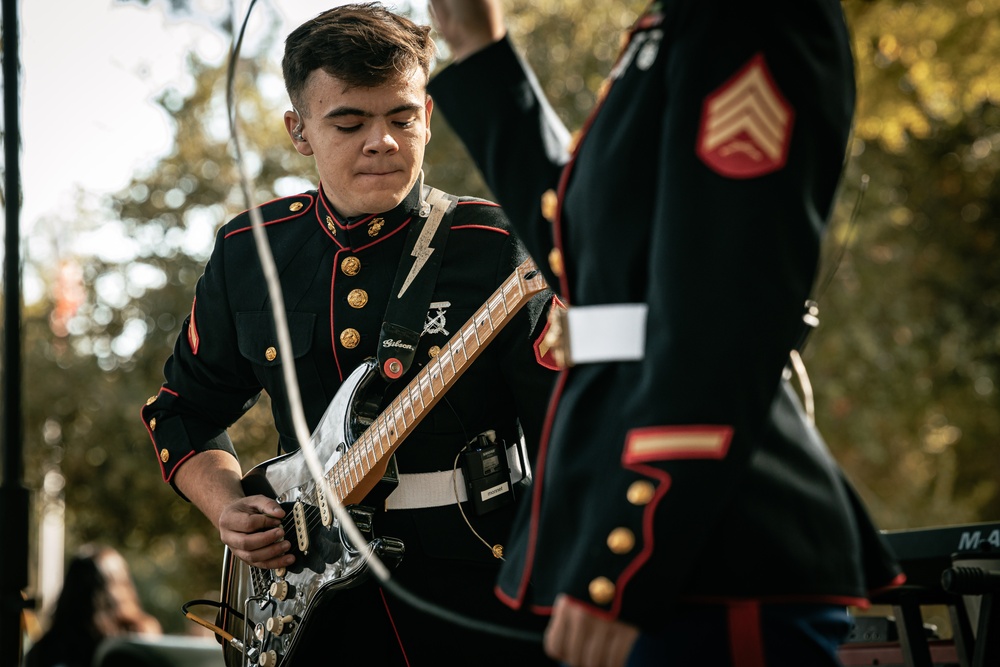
[(356, 452), (369, 453), (427, 381), (399, 415), (447, 354), (383, 432), (475, 332), (461, 348), (500, 304), (434, 373), (374, 435), (416, 388)]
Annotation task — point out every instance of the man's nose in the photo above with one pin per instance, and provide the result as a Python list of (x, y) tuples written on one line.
[(380, 139)]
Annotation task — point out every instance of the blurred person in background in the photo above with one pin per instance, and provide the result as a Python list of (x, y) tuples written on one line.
[(98, 600)]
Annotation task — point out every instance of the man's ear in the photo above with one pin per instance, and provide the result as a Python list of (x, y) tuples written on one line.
[(428, 109), (293, 125)]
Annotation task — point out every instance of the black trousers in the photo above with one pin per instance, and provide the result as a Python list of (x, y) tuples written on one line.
[(747, 634), (369, 625)]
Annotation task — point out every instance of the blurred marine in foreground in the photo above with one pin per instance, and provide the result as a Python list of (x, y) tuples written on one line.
[(688, 512)]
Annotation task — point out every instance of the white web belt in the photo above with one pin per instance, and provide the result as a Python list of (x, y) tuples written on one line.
[(436, 489)]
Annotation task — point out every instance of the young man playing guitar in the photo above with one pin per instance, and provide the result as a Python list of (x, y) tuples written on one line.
[(373, 265)]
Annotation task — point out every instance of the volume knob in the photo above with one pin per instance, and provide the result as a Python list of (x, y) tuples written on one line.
[(278, 624), (279, 590), (269, 659)]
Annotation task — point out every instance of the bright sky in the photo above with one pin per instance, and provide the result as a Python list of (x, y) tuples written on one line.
[(91, 70)]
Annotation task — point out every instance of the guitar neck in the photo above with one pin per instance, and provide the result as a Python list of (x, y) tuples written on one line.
[(373, 447)]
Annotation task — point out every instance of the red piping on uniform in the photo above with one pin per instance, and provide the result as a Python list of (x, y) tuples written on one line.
[(648, 532), (554, 402), (170, 391), (333, 331), (746, 645), (536, 496), (272, 222), (401, 227), (898, 580), (392, 621), (483, 227), (480, 202), (265, 224)]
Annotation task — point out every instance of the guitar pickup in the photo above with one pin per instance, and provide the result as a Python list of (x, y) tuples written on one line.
[(301, 528), (325, 516)]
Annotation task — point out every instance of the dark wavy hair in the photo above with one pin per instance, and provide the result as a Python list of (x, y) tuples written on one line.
[(364, 45)]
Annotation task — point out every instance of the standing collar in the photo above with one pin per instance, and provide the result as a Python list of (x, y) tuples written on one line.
[(360, 231)]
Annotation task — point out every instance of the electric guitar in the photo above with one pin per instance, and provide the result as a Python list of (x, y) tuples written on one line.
[(263, 610)]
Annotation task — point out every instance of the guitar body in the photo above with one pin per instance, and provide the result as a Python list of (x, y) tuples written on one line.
[(265, 609)]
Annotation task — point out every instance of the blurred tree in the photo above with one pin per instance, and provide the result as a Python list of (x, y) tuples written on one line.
[(111, 325), (905, 362)]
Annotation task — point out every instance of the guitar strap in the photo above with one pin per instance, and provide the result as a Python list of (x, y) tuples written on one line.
[(411, 293)]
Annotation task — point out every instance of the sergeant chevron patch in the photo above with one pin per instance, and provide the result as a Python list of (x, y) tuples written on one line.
[(666, 443), (746, 124)]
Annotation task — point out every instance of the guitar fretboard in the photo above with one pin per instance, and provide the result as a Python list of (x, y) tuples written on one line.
[(389, 429)]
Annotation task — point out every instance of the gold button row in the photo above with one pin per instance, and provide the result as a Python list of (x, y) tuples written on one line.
[(621, 541)]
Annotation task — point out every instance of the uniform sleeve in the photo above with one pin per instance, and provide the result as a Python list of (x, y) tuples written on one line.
[(209, 385), (512, 134)]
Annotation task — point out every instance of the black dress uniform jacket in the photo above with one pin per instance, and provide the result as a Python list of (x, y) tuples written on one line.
[(336, 276), (700, 187)]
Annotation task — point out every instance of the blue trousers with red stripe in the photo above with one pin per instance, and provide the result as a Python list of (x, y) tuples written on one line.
[(747, 634)]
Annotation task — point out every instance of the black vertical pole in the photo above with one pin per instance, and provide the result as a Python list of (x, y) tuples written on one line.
[(13, 495)]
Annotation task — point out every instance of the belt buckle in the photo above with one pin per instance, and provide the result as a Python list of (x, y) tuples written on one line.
[(557, 337)]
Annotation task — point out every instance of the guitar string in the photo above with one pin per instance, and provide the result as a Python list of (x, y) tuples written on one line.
[(347, 524)]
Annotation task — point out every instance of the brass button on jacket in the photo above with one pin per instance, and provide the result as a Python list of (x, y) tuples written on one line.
[(556, 261), (350, 266), (621, 541), (641, 492), (602, 590), (271, 353), (350, 338), (357, 298)]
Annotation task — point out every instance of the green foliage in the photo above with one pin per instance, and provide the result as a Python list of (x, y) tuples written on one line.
[(905, 363)]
